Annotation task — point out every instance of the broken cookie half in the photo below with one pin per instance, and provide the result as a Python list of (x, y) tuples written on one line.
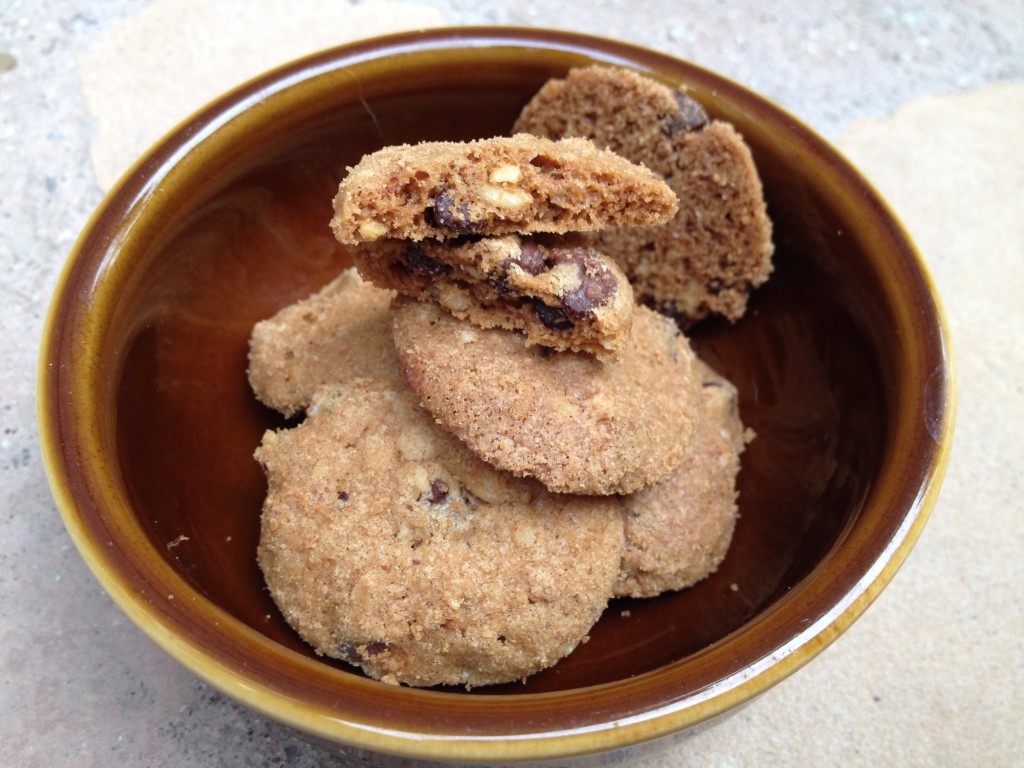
[(718, 248), (506, 185), (566, 297)]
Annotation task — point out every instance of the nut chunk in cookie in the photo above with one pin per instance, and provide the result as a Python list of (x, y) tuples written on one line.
[(505, 185), (576, 423), (388, 545), (567, 297), (718, 247)]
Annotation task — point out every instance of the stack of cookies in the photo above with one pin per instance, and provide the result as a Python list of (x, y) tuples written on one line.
[(497, 438)]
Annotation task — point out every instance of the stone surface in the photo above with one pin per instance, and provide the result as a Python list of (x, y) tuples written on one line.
[(932, 674)]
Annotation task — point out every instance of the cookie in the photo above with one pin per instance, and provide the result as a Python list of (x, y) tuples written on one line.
[(500, 186), (576, 423), (340, 332), (678, 531), (718, 247), (562, 297), (385, 543)]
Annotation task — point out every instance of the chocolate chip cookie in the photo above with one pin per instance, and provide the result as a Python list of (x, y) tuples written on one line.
[(576, 423), (387, 544), (678, 531), (505, 185), (563, 297), (718, 247), (342, 331)]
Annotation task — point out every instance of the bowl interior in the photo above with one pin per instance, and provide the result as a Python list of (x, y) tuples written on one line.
[(195, 248)]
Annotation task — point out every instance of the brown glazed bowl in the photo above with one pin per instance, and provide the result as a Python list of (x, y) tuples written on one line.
[(148, 425)]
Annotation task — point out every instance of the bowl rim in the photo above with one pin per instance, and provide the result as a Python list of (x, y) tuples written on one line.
[(68, 435)]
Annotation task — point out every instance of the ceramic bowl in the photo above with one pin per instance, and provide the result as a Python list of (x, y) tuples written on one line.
[(148, 425)]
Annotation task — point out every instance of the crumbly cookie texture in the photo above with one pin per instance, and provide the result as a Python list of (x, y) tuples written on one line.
[(505, 185), (576, 423), (678, 531), (342, 331), (564, 297), (719, 245), (387, 544)]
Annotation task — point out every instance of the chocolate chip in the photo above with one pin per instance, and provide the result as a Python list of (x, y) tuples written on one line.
[(356, 654), (554, 318), (445, 212), (690, 117), (597, 283), (545, 162), (343, 496), (438, 491), (417, 261), (531, 258), (350, 653), (500, 284), (594, 291)]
